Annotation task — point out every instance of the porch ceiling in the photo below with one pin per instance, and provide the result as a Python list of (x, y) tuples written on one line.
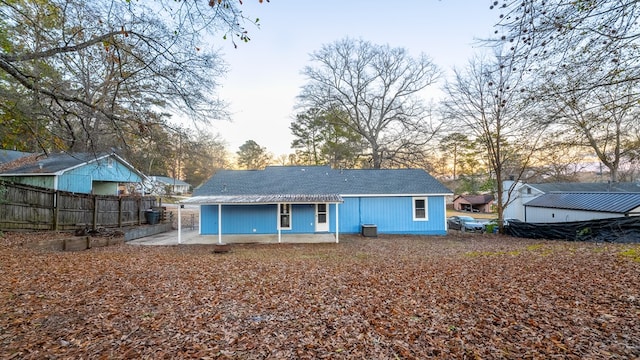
[(265, 199)]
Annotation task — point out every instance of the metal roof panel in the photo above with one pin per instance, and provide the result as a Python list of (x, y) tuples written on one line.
[(604, 202)]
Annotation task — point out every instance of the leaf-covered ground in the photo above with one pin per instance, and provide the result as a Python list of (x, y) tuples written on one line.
[(459, 296)]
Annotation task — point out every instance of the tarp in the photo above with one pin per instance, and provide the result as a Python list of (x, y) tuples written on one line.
[(614, 230)]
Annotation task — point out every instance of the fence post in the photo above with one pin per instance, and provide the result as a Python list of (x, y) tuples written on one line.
[(95, 212), (56, 211), (120, 212), (139, 208)]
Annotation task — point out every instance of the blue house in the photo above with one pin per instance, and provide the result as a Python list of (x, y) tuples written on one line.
[(319, 199), (87, 173)]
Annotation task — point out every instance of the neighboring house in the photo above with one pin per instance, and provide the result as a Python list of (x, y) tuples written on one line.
[(86, 173), (565, 202), (473, 203), (175, 186), (318, 199)]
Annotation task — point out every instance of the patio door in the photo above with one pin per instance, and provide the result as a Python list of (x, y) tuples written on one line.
[(322, 218)]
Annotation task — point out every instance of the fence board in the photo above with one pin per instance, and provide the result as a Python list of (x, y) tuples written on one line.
[(24, 207)]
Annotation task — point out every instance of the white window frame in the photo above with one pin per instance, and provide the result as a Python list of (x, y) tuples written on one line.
[(280, 214), (426, 208)]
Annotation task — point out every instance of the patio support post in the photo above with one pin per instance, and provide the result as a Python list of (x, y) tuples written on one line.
[(337, 226), (219, 223), (179, 224), (278, 223)]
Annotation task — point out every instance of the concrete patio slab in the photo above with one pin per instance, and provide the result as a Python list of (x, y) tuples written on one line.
[(193, 237)]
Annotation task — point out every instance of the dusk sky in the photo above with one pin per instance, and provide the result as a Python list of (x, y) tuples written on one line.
[(265, 74)]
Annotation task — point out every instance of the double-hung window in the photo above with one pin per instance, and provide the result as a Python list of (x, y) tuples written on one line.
[(285, 216), (420, 209)]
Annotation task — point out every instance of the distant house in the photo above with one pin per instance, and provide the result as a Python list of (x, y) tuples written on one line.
[(174, 186), (86, 173), (473, 203), (319, 199), (568, 202)]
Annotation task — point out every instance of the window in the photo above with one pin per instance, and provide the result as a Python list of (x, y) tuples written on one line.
[(420, 209), (285, 216)]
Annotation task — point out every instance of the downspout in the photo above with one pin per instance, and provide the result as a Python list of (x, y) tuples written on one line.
[(446, 225)]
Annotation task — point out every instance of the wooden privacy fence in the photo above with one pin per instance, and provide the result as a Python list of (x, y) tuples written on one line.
[(24, 207)]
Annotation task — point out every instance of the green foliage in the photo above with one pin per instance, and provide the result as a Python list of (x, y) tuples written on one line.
[(322, 138), (252, 156), (632, 253)]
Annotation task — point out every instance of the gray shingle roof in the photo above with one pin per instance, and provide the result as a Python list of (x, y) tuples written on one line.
[(320, 180), (10, 155), (614, 202), (57, 162), (53, 163)]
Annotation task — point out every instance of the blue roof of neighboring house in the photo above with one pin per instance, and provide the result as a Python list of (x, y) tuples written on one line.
[(57, 162), (170, 181), (614, 202), (587, 187), (10, 155), (321, 180)]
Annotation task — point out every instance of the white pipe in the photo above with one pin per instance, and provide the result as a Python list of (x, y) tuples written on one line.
[(179, 224), (219, 223)]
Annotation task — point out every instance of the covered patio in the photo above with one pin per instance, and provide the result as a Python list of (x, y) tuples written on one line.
[(282, 235)]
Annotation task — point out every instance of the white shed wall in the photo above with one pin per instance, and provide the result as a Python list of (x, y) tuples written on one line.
[(547, 215), (521, 195)]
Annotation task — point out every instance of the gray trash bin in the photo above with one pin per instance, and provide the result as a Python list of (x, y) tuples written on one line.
[(153, 217)]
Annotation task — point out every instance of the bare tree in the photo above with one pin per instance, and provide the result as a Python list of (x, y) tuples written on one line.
[(600, 38), (486, 98), (89, 72), (585, 57), (377, 88), (601, 120)]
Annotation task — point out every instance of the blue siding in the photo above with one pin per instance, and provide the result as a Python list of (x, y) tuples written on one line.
[(80, 179), (349, 216), (209, 219), (391, 215), (303, 219), (256, 219)]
